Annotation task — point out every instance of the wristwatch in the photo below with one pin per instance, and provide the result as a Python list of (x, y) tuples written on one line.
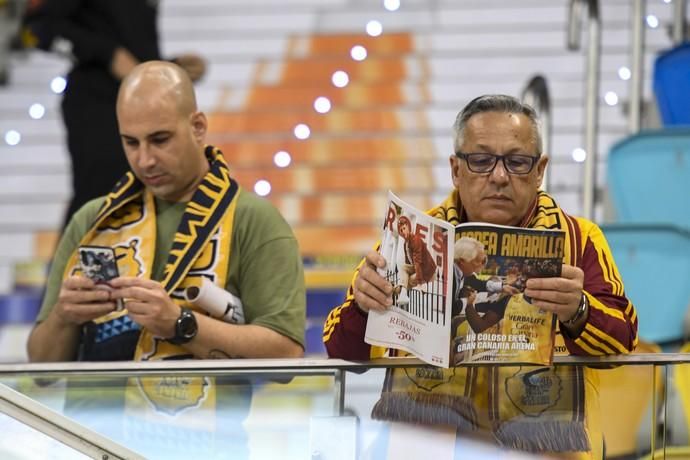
[(580, 312), (185, 327)]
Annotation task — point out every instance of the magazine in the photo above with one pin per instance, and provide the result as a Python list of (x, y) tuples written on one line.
[(458, 292)]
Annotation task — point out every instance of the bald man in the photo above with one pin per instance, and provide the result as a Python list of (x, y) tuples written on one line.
[(176, 221)]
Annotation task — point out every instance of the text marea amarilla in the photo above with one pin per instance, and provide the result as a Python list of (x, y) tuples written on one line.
[(529, 245)]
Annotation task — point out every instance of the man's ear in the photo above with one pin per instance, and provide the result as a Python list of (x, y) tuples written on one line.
[(455, 170), (541, 168), (199, 126)]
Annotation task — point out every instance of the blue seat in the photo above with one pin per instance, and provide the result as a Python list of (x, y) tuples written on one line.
[(19, 307), (654, 261), (672, 85), (649, 177)]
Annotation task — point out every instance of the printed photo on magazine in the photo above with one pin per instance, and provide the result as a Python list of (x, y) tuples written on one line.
[(458, 293), (417, 249), (492, 319)]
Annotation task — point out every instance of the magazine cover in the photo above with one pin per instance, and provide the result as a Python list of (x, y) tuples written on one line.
[(458, 293), (418, 252), (493, 320)]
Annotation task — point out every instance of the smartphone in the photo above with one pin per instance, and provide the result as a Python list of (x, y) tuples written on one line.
[(98, 263)]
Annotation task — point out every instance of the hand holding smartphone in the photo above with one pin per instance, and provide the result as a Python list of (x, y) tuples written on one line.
[(98, 263)]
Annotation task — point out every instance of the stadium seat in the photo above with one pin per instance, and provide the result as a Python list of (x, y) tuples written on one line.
[(654, 262), (649, 177), (627, 427), (672, 85)]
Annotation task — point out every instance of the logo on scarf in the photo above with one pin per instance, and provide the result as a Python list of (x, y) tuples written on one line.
[(127, 256), (174, 394), (428, 378), (129, 214), (534, 391)]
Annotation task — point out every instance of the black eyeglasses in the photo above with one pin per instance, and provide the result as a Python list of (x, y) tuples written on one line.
[(484, 163)]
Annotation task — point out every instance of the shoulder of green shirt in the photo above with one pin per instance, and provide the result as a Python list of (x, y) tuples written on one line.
[(260, 215)]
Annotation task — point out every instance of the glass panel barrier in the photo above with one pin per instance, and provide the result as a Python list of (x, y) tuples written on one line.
[(387, 408), (21, 441), (188, 412)]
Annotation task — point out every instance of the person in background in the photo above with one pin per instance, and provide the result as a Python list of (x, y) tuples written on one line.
[(496, 170), (105, 40)]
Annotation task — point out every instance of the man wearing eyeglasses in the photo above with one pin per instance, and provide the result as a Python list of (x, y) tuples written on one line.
[(496, 170)]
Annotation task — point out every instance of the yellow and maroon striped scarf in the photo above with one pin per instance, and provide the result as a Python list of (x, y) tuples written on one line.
[(537, 409)]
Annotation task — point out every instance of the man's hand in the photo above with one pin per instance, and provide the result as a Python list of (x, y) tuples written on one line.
[(148, 304), (193, 64), (81, 300), (471, 298), (122, 63), (560, 295), (510, 290), (372, 291)]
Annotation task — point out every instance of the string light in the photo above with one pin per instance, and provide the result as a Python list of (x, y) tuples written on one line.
[(282, 159), (322, 104), (36, 111), (13, 137), (391, 5), (262, 187), (302, 131), (58, 85), (358, 53), (579, 155), (374, 28)]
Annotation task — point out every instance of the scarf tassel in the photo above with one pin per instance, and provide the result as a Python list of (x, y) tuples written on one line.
[(544, 436), (426, 409)]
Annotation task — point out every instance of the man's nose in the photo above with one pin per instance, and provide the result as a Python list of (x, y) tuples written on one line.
[(499, 174), (146, 158)]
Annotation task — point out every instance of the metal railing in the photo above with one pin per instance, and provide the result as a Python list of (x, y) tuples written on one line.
[(637, 65), (536, 94), (592, 91), (57, 426), (61, 428), (679, 30)]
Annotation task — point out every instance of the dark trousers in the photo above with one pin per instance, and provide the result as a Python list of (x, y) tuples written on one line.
[(95, 149)]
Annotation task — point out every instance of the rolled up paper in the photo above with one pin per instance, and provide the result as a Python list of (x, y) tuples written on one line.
[(218, 302)]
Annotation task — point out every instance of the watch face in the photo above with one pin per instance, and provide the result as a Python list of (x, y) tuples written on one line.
[(186, 325)]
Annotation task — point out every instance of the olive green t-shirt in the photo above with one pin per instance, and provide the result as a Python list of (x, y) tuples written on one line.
[(265, 268)]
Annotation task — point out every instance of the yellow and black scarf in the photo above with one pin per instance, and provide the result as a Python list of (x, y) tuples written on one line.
[(537, 409), (201, 248)]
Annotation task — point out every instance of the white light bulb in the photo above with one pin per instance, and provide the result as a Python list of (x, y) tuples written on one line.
[(282, 159), (58, 85), (36, 111), (13, 137), (579, 155), (358, 53), (302, 131), (374, 28), (624, 73), (611, 98), (322, 104), (652, 21), (340, 79), (262, 187), (391, 5)]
